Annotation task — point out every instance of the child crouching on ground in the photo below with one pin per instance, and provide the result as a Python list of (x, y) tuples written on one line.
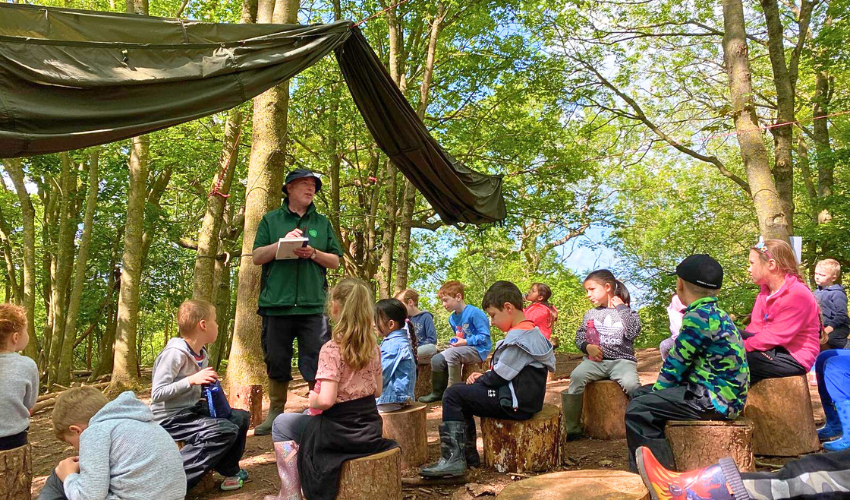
[(606, 335), (123, 453), (18, 378), (513, 388), (310, 450), (398, 361), (179, 373), (705, 375)]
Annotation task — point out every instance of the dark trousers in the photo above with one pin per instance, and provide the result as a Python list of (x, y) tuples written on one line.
[(53, 488), (462, 402), (209, 443), (824, 476), (309, 330), (775, 363), (13, 441), (649, 411)]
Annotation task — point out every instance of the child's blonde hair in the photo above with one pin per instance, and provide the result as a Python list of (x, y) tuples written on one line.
[(75, 407), (781, 253), (191, 312), (831, 266), (353, 327), (409, 294), (13, 319)]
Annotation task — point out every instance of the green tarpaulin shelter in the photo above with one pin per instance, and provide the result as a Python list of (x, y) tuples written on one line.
[(70, 79)]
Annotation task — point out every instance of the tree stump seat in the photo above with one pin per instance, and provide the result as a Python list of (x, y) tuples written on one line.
[(781, 412), (250, 399), (407, 427), (372, 477), (470, 368), (423, 380), (523, 445), (578, 485), (700, 443), (603, 414), (16, 473)]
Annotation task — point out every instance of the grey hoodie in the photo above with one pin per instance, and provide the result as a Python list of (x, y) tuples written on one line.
[(125, 454), (521, 348), (170, 391)]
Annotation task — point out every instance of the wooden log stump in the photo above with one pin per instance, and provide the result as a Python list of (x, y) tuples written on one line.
[(578, 485), (374, 477), (16, 473), (470, 368), (423, 380), (407, 427), (249, 398), (526, 445), (700, 443), (781, 412), (603, 414)]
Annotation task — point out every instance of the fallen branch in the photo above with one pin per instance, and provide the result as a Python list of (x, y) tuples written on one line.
[(416, 482), (48, 400)]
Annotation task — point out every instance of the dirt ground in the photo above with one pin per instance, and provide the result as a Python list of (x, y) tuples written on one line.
[(259, 459)]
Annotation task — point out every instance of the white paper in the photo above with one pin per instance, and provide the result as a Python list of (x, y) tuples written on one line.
[(286, 247)]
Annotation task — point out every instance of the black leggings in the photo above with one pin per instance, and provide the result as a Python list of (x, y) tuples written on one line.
[(775, 363), (14, 441)]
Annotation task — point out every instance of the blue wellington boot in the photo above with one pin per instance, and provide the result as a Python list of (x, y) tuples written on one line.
[(843, 410), (832, 427)]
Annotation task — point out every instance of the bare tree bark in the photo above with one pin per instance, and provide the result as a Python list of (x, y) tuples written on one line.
[(15, 291), (823, 149), (67, 357), (771, 214), (265, 179), (16, 173)]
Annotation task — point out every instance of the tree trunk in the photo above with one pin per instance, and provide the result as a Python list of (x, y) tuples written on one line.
[(14, 291), (385, 276), (265, 179), (208, 237), (67, 357), (16, 172), (773, 221), (820, 129)]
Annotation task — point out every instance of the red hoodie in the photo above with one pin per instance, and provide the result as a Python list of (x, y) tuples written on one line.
[(542, 317), (789, 319)]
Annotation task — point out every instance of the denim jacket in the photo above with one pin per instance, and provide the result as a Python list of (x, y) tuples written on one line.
[(398, 368)]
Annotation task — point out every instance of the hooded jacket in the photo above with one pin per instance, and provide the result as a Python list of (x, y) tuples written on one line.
[(125, 454), (170, 389), (833, 307)]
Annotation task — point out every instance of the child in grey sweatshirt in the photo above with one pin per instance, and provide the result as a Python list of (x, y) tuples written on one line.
[(123, 453), (18, 378)]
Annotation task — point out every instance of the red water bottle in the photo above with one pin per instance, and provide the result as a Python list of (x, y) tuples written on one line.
[(592, 335)]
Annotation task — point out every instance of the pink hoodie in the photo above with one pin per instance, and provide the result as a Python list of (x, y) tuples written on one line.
[(787, 319)]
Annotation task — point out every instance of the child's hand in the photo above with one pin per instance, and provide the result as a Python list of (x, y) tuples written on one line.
[(70, 465), (460, 342), (205, 376), (472, 378), (594, 352), (615, 301), (828, 329)]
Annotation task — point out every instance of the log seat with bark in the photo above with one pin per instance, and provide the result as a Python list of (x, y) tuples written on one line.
[(16, 473), (407, 427), (700, 443), (373, 477), (423, 380), (470, 368), (781, 412), (578, 484), (250, 399), (523, 445), (603, 414)]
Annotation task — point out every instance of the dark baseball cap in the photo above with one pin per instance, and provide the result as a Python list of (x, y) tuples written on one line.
[(701, 269), (301, 173)]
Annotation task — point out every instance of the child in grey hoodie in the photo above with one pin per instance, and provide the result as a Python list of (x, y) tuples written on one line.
[(179, 373), (123, 453)]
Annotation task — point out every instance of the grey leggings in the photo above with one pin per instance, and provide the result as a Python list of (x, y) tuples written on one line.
[(289, 427)]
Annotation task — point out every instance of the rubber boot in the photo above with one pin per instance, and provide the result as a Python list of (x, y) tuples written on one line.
[(843, 410), (572, 404), (452, 444), (832, 427), (286, 453), (720, 481), (470, 449), (277, 401), (439, 381), (455, 375)]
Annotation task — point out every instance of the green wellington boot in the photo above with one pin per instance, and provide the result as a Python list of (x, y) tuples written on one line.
[(277, 401), (571, 406), (455, 375), (439, 381), (452, 461)]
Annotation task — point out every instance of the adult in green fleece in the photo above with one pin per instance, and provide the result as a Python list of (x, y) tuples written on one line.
[(293, 291)]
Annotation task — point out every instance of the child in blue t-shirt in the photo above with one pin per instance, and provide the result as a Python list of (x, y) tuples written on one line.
[(471, 344)]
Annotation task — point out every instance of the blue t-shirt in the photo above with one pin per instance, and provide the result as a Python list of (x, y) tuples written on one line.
[(423, 324), (476, 329)]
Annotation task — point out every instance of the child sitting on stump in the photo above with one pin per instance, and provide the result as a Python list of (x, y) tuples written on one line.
[(471, 344), (705, 375), (18, 378), (423, 325), (398, 361), (606, 336), (513, 388)]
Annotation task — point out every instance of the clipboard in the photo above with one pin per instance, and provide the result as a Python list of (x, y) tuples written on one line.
[(286, 247)]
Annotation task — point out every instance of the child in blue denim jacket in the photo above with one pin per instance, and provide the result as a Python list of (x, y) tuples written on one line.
[(398, 358)]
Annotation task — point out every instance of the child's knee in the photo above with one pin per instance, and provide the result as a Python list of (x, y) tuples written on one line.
[(438, 362), (579, 378)]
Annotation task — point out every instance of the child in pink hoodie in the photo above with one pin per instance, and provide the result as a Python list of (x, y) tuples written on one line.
[(783, 338)]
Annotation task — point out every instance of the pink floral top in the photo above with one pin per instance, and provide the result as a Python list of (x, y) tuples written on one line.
[(352, 384)]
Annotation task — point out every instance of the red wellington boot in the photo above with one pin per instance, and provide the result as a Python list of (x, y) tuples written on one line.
[(720, 481)]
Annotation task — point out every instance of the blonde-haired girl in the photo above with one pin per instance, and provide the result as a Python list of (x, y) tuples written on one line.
[(18, 378), (311, 449)]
